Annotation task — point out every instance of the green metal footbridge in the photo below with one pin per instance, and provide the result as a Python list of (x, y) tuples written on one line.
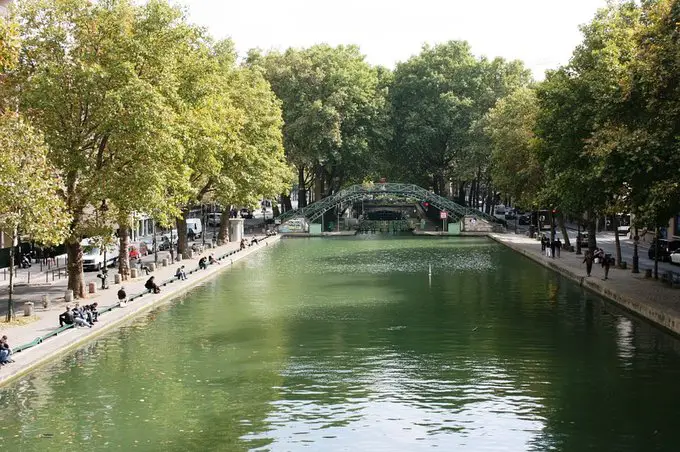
[(455, 211)]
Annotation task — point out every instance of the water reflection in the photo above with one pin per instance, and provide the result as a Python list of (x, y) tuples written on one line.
[(356, 345)]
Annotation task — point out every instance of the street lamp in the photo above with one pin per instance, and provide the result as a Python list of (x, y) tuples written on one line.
[(203, 226), (155, 244), (636, 258)]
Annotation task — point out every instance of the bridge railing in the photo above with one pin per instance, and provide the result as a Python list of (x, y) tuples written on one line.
[(357, 192)]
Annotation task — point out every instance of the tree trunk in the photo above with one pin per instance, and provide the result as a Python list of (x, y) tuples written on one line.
[(182, 239), (74, 253), (318, 183), (563, 230), (124, 243), (302, 188), (10, 298), (223, 235), (285, 203), (615, 221), (592, 240)]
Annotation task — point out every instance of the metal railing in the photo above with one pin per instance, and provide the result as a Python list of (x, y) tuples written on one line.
[(358, 192)]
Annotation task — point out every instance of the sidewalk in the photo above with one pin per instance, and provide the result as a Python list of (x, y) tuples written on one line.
[(48, 319), (651, 299)]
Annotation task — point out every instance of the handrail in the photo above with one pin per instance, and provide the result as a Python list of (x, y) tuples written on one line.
[(39, 340), (356, 192)]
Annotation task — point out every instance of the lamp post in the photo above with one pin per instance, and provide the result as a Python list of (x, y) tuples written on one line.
[(636, 258), (155, 244), (204, 224), (172, 247)]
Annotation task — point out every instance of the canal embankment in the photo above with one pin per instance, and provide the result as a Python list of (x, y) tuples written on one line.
[(43, 351), (648, 298)]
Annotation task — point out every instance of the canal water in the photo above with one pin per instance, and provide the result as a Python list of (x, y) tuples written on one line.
[(352, 345)]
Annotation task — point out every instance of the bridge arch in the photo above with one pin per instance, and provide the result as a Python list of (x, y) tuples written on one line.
[(368, 191)]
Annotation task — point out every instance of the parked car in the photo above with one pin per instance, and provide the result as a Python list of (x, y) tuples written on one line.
[(246, 213), (164, 241), (524, 219), (133, 252), (96, 257), (214, 219), (194, 224), (666, 248), (510, 215), (675, 257)]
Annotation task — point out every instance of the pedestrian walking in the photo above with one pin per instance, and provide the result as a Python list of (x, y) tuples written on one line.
[(588, 260), (553, 245), (558, 247), (542, 244), (606, 262)]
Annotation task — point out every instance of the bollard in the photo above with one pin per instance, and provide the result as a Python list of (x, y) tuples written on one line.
[(116, 278), (190, 253), (68, 296), (92, 287), (29, 277), (47, 278), (45, 302), (133, 273), (28, 309), (152, 267), (164, 262), (178, 258)]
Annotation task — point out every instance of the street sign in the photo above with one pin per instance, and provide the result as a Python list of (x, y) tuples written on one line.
[(443, 215)]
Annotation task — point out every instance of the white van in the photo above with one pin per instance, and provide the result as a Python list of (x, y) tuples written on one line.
[(94, 256), (194, 224)]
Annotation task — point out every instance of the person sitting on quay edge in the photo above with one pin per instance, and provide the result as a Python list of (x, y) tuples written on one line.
[(79, 317), (122, 297), (243, 243), (94, 311), (66, 317), (254, 241), (212, 260), (181, 274), (151, 285), (5, 353), (203, 263)]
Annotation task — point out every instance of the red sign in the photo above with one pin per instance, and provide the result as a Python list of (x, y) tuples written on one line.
[(443, 215)]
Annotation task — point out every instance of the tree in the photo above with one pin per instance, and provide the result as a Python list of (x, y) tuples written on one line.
[(439, 98), (510, 126), (260, 169), (331, 98), (29, 191), (93, 77)]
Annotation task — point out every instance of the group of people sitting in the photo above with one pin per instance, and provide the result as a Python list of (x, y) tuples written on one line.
[(87, 315), (204, 262), (5, 352), (80, 315), (254, 241)]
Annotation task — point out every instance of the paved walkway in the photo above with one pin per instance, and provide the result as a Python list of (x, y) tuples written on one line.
[(649, 298), (48, 319)]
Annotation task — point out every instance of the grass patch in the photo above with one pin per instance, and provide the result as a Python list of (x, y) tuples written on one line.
[(19, 320)]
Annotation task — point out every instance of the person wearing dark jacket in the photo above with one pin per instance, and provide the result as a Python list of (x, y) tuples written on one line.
[(66, 317), (151, 285)]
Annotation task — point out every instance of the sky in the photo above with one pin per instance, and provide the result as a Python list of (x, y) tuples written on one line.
[(542, 33)]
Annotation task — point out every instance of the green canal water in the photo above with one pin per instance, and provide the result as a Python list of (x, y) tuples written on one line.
[(349, 344)]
